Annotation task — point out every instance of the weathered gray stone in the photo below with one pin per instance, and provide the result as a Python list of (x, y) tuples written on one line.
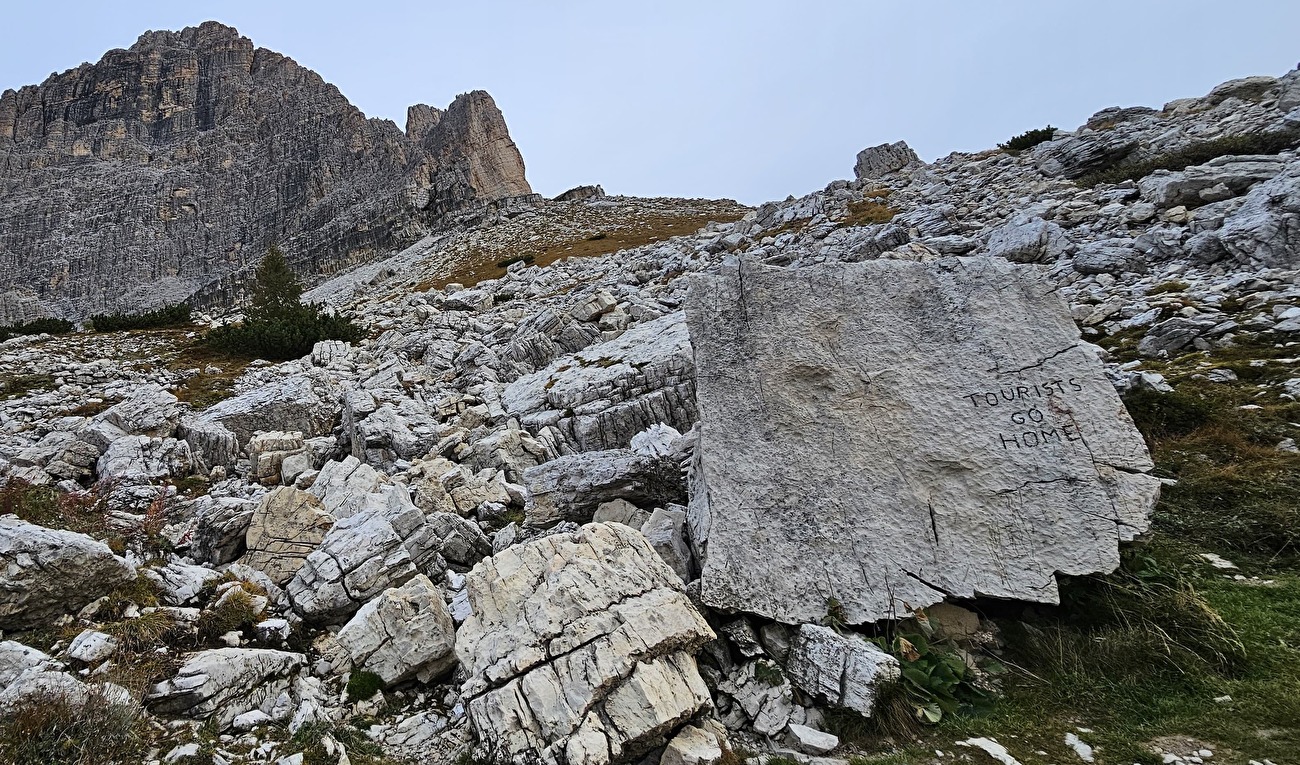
[(840, 670), (49, 572), (1028, 240), (570, 488), (888, 433), (602, 396), (1195, 186), (220, 524), (224, 683), (878, 161), (579, 648), (307, 403), (144, 459), (1266, 228), (405, 632), (287, 525)]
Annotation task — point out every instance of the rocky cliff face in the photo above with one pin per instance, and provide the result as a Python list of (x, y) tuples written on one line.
[(160, 171)]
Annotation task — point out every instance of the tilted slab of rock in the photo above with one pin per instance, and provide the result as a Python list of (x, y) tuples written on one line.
[(888, 433), (405, 632), (579, 648), (570, 488), (45, 573), (307, 403), (841, 670), (599, 397), (285, 528), (225, 683)]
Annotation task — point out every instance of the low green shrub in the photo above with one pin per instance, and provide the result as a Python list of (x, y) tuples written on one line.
[(287, 337), (1197, 153), (278, 325), (37, 327), (362, 685), (1028, 140), (176, 315)]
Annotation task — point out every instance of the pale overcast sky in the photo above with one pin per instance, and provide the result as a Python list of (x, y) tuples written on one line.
[(748, 100)]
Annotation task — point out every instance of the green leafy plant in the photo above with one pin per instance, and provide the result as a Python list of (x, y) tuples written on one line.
[(278, 325), (1028, 140), (935, 678), (768, 672)]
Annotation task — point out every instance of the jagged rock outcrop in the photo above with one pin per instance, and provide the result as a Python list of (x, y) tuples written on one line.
[(213, 149), (579, 649), (878, 436), (886, 158)]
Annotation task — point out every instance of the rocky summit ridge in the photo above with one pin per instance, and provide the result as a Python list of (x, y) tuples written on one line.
[(616, 480), (163, 171)]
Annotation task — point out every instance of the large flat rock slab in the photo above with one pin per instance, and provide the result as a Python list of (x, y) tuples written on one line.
[(878, 436)]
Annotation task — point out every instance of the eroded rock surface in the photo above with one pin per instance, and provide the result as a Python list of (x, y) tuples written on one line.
[(579, 648), (886, 434)]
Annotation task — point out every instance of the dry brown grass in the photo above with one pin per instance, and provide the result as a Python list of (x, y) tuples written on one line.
[(483, 265), (870, 211), (206, 388)]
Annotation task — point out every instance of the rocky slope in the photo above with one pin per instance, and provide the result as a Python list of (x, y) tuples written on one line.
[(610, 508), (163, 171)]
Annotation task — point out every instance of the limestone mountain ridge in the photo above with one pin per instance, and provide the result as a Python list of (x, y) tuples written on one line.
[(163, 171)]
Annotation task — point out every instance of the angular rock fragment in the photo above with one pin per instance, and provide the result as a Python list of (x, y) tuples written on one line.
[(878, 436), (405, 632), (579, 648), (45, 573), (877, 161), (571, 487), (287, 525), (602, 396), (841, 670), (226, 682)]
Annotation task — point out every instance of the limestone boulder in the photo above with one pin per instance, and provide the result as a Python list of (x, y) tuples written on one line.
[(877, 161), (224, 683), (1028, 240), (50, 572), (570, 488), (145, 459), (286, 526), (1218, 179), (1265, 230), (882, 435), (841, 670), (579, 649), (308, 403), (602, 396), (220, 527), (405, 632)]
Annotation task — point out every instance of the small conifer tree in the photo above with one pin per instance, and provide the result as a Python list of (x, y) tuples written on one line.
[(277, 324)]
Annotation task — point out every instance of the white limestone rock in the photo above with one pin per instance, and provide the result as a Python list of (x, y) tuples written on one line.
[(144, 459), (570, 488), (888, 433), (579, 648), (840, 670), (286, 526), (405, 632), (45, 573), (92, 646), (224, 683), (602, 396)]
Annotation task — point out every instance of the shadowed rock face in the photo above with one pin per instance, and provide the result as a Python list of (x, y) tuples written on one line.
[(163, 170)]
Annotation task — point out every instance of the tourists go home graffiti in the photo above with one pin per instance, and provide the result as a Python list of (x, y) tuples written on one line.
[(1024, 406)]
